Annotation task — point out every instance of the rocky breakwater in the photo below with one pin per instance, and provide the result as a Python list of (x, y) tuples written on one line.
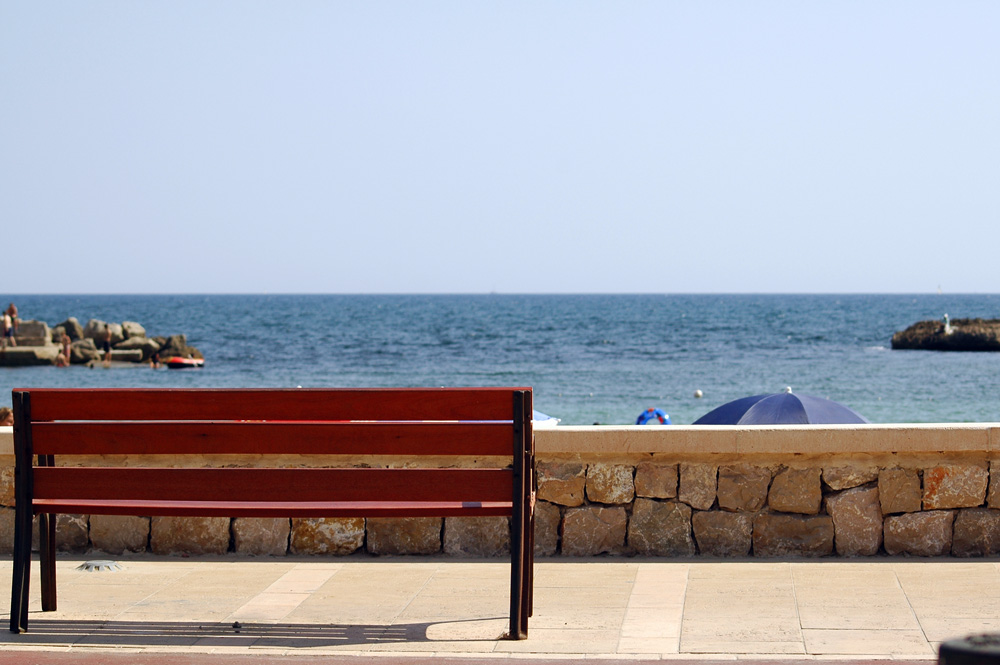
[(957, 335), (39, 344)]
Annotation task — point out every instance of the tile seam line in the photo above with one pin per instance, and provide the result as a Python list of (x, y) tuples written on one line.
[(680, 629), (913, 611)]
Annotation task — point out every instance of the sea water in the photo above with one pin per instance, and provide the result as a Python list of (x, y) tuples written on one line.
[(590, 358)]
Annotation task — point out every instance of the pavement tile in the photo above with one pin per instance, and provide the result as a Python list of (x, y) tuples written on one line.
[(648, 645), (759, 629), (944, 629), (856, 618), (563, 641), (891, 642), (760, 649)]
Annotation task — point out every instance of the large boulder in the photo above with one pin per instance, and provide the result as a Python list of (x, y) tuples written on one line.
[(95, 330), (72, 328), (176, 346), (132, 329), (83, 351)]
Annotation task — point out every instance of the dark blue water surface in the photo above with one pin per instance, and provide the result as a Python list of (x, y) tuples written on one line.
[(590, 358)]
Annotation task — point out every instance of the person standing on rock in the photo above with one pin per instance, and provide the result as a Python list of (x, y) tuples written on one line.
[(107, 345), (9, 324)]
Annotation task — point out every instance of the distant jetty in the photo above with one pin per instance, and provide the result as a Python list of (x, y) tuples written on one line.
[(945, 335), (38, 344)]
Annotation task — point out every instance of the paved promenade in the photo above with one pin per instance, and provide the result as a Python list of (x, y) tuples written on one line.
[(166, 610)]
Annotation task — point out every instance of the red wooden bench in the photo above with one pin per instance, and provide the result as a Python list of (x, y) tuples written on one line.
[(408, 423)]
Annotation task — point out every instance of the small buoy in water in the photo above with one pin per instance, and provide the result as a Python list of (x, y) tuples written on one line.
[(698, 394)]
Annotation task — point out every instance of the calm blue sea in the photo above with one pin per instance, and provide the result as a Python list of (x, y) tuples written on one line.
[(590, 358)]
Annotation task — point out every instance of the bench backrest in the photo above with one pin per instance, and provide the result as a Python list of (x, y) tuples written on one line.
[(410, 423)]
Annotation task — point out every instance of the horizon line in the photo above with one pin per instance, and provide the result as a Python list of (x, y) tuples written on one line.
[(507, 293)]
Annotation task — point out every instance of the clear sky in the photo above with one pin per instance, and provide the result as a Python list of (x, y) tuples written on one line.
[(516, 147)]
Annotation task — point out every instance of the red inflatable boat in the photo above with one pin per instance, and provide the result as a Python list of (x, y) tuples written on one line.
[(184, 363)]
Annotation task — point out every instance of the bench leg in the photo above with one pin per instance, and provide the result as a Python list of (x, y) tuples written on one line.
[(47, 560), (22, 570), (529, 578), (518, 627)]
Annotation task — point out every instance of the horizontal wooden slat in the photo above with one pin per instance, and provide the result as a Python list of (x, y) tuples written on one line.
[(257, 438), (276, 509), (272, 404), (271, 485)]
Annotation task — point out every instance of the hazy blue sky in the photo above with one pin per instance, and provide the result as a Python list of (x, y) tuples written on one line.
[(499, 146)]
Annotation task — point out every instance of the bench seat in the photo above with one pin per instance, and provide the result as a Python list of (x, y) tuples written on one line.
[(275, 508)]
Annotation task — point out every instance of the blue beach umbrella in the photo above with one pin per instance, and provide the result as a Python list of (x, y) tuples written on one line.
[(784, 408)]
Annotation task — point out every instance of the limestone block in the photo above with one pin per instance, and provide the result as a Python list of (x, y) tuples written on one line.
[(698, 483), (477, 536), (955, 486), (72, 533), (976, 532), (661, 528), (656, 481), (258, 536), (776, 534), (796, 491), (33, 333), (563, 483), (117, 534), (7, 485), (743, 487), (920, 534), (993, 496), (857, 521), (189, 535), (610, 483), (404, 535), (547, 520), (723, 534), (24, 356), (125, 355), (590, 530), (145, 346), (850, 475), (328, 535), (6, 531), (899, 491)]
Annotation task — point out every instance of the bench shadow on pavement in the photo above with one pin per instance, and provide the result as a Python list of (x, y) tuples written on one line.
[(180, 633)]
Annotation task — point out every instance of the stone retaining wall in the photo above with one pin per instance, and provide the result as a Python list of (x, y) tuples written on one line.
[(921, 490)]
